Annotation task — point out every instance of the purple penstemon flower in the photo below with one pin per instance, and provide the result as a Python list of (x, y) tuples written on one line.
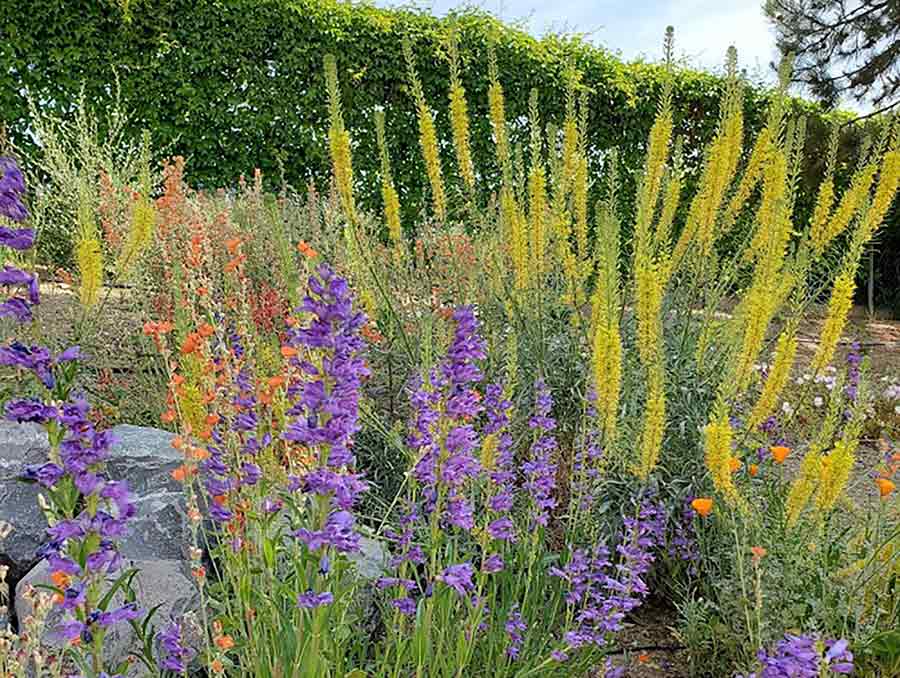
[(540, 470), (458, 578), (12, 190), (174, 651), (805, 656), (325, 414), (599, 592), (514, 627)]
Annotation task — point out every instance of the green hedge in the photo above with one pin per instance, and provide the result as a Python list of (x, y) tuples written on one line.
[(237, 84)]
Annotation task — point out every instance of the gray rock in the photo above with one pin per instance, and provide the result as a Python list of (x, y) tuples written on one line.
[(145, 458), (20, 445), (166, 583)]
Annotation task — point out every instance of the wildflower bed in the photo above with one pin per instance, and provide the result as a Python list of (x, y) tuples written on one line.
[(538, 409)]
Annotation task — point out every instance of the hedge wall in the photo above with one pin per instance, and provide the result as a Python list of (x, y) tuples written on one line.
[(237, 84)]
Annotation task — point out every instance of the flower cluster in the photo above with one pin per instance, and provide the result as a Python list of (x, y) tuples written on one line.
[(540, 469), (12, 189), (805, 657), (90, 511), (175, 653), (328, 355), (601, 593)]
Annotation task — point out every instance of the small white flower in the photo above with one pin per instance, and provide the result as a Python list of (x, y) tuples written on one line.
[(831, 368), (817, 401), (787, 408), (897, 409)]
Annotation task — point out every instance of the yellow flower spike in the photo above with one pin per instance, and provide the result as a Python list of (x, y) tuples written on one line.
[(803, 486), (497, 110), (388, 190), (459, 115), (339, 141), (851, 202), (839, 306), (88, 252), (834, 474), (785, 351), (718, 436), (427, 137), (654, 424)]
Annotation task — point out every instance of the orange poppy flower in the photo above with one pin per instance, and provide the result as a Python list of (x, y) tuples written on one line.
[(754, 469), (758, 553), (703, 506), (276, 381), (643, 658), (306, 250), (177, 442), (288, 351), (217, 667), (168, 416), (780, 453), (212, 419), (206, 330), (735, 465), (885, 486)]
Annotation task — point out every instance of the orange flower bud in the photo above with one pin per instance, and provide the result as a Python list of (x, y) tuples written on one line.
[(754, 469)]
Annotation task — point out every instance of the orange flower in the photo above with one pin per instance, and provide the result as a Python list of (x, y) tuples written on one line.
[(60, 579), (233, 264), (225, 642), (181, 473), (199, 573), (212, 419), (156, 328), (177, 380), (288, 351), (643, 658), (735, 465), (202, 290), (754, 469), (758, 553), (275, 382), (177, 442), (306, 250), (168, 416), (206, 330), (232, 245), (191, 344), (780, 453), (217, 667), (885, 486), (703, 506)]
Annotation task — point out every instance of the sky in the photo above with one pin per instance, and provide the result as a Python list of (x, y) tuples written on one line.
[(633, 28)]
